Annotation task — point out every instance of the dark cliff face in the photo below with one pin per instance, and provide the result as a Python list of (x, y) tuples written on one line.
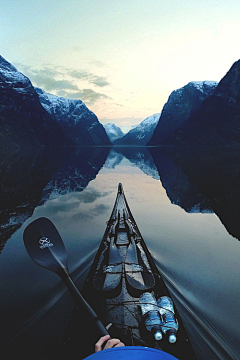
[(229, 87), (79, 124), (23, 121), (181, 104), (217, 120)]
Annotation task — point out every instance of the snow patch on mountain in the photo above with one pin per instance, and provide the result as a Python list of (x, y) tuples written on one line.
[(180, 106), (142, 133), (114, 132), (78, 123), (64, 110), (10, 77), (201, 85), (147, 125)]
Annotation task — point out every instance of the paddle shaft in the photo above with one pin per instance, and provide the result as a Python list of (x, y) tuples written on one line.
[(63, 273)]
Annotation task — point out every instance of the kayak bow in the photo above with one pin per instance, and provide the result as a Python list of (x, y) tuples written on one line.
[(123, 270)]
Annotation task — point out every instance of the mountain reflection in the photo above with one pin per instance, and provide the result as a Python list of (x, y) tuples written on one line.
[(201, 179), (139, 156), (23, 175), (29, 179), (180, 189), (78, 169), (198, 180)]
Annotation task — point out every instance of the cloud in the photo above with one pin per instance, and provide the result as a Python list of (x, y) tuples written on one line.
[(88, 96), (92, 213), (70, 203), (46, 78), (63, 82), (89, 196), (100, 81), (98, 63)]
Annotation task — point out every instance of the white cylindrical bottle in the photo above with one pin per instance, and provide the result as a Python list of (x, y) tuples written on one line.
[(170, 323), (151, 315)]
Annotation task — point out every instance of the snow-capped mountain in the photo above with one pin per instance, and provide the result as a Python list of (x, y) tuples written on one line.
[(24, 122), (30, 117), (141, 134), (78, 123), (10, 77), (114, 132), (216, 122), (180, 105), (206, 87)]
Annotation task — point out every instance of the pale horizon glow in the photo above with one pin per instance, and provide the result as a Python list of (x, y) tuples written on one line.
[(122, 59)]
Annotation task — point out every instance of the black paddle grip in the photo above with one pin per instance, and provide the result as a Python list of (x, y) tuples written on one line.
[(63, 273)]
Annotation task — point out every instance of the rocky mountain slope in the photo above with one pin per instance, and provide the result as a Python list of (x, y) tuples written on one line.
[(141, 134), (180, 105), (216, 122), (23, 121), (78, 123), (30, 117), (114, 132)]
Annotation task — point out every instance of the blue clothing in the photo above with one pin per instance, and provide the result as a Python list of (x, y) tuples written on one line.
[(131, 353)]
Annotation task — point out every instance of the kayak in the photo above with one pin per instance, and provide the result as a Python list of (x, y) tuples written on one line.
[(122, 272), (123, 294)]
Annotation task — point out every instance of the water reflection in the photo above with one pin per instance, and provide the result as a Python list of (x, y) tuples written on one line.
[(207, 178), (141, 157), (30, 179), (197, 180), (201, 274), (179, 187), (78, 169), (23, 176)]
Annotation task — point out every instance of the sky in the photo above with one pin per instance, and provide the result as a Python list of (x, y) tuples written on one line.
[(121, 58)]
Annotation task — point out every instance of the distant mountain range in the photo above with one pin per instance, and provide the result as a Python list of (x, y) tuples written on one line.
[(141, 134), (201, 113), (113, 131), (30, 117)]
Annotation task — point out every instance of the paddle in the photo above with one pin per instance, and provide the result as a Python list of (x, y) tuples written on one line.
[(45, 246)]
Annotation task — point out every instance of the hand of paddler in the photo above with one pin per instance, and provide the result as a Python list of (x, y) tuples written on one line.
[(110, 343)]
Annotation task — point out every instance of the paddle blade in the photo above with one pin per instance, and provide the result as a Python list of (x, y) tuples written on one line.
[(44, 245)]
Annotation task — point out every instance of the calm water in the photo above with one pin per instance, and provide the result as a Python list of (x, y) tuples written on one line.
[(186, 207)]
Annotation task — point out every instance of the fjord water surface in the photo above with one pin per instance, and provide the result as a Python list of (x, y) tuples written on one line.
[(196, 250)]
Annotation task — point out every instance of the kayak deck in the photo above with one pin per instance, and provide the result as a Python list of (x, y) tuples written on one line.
[(122, 270)]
